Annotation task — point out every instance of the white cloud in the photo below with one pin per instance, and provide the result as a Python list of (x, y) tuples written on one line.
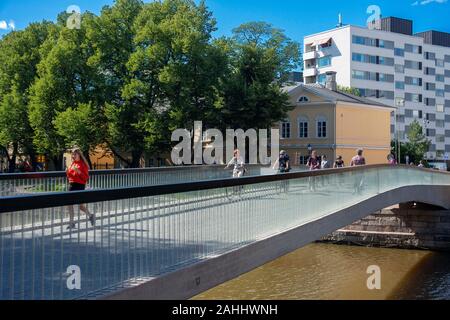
[(12, 25), (3, 25), (425, 2)]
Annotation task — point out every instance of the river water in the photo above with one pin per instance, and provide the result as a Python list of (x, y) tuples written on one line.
[(327, 271)]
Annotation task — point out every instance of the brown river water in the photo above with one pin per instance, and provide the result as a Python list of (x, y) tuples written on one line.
[(327, 271)]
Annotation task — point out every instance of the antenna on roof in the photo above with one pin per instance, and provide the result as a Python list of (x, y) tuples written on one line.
[(340, 24)]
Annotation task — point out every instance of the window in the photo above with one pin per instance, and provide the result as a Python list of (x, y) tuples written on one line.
[(359, 40), (413, 97), (399, 85), (440, 123), (286, 130), (440, 78), (324, 62), (385, 94), (303, 128), (321, 127), (440, 138), (439, 108), (386, 77), (358, 57), (440, 93), (364, 75), (303, 160), (430, 101), (399, 52), (303, 99), (430, 86), (430, 55), (440, 63), (322, 78), (413, 48), (385, 44), (386, 61), (358, 75), (413, 81), (430, 71), (367, 92), (415, 65), (399, 68), (417, 114)]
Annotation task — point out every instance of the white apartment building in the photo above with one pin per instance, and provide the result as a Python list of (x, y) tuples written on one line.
[(393, 66)]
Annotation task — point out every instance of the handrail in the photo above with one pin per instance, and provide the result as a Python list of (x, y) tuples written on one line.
[(53, 174), (50, 200)]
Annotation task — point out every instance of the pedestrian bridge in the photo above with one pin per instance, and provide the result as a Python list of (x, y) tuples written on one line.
[(175, 240)]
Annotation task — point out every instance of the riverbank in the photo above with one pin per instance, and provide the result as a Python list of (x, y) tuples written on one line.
[(406, 226)]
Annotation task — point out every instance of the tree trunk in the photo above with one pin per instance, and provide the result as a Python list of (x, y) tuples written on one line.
[(57, 162), (88, 159), (117, 154), (12, 159), (136, 158)]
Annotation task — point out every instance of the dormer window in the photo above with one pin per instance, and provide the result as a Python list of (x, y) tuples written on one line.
[(303, 99)]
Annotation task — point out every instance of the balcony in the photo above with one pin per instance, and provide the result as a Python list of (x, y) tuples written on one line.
[(310, 55), (310, 72)]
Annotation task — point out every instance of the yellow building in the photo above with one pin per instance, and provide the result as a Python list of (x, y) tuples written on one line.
[(335, 123)]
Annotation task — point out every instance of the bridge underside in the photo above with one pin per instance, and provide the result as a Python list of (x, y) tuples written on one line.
[(192, 280)]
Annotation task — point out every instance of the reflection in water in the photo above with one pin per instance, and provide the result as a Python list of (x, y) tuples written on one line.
[(325, 271)]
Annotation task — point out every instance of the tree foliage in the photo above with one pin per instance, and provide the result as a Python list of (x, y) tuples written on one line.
[(134, 73)]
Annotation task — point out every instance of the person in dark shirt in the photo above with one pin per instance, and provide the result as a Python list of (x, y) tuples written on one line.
[(313, 163), (283, 167), (283, 162)]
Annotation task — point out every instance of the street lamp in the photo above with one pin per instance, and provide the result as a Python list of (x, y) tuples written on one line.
[(309, 148), (425, 122)]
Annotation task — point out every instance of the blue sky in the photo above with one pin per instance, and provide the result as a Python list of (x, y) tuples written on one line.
[(297, 17)]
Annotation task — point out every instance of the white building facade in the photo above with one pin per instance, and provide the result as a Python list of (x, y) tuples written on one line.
[(409, 72)]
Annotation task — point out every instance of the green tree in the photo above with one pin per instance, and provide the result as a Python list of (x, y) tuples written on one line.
[(350, 90), (174, 75), (65, 80), (417, 144), (260, 58), (112, 37), (19, 57)]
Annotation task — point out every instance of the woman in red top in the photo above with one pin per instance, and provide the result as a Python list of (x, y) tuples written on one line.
[(78, 176)]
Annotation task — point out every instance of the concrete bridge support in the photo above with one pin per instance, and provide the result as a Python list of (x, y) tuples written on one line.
[(408, 225)]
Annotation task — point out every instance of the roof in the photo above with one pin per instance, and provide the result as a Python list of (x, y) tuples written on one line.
[(335, 96)]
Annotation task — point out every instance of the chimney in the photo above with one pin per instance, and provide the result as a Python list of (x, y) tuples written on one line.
[(331, 80)]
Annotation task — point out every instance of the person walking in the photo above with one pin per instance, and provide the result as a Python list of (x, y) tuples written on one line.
[(358, 160), (313, 164), (282, 164), (339, 163), (237, 163), (325, 164), (391, 159), (78, 176)]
